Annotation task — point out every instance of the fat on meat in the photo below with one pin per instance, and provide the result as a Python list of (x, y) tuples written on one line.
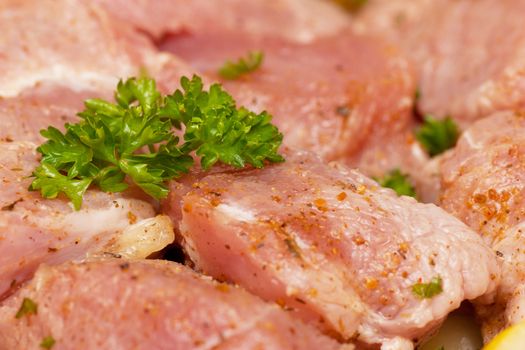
[(87, 49), (118, 304), (483, 184), (469, 54), (332, 245), (34, 230)]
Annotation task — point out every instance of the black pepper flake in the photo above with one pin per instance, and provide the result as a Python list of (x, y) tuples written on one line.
[(124, 266), (499, 254), (343, 111), (11, 206)]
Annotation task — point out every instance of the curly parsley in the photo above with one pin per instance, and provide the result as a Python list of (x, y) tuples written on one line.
[(428, 290), (399, 182), (437, 136), (244, 65), (133, 140)]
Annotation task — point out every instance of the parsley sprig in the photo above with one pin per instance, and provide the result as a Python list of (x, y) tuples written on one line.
[(399, 182), (428, 290), (244, 65), (437, 136), (132, 140)]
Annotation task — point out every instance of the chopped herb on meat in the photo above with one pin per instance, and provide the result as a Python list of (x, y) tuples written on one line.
[(28, 307), (244, 65), (133, 140), (437, 136), (428, 290), (48, 342)]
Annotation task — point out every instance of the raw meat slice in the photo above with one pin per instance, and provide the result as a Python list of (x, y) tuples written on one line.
[(115, 304), (330, 91), (22, 117), (331, 244), (295, 20), (469, 53), (84, 50), (483, 185), (34, 230)]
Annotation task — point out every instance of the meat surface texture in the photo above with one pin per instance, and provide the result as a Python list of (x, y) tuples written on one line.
[(483, 185), (92, 52), (469, 53), (332, 245), (330, 96), (116, 304), (34, 230)]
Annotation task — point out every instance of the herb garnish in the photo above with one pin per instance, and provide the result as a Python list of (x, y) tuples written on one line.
[(28, 307), (244, 65), (428, 290), (133, 139), (47, 342), (399, 182), (436, 136)]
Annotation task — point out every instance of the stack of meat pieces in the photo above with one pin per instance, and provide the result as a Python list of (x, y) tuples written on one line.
[(469, 61), (320, 255)]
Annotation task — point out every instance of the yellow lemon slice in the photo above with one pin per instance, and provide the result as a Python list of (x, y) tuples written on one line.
[(512, 338)]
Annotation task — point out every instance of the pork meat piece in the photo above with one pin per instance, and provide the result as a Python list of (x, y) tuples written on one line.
[(22, 117), (35, 230), (115, 304), (85, 50), (332, 245), (329, 96), (469, 53), (295, 20), (484, 185)]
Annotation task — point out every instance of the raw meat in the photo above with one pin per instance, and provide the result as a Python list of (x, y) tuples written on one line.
[(483, 185), (331, 244), (469, 53), (34, 230), (85, 50), (116, 304)]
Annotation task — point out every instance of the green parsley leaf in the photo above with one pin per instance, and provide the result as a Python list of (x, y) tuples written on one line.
[(28, 307), (133, 140), (48, 342), (244, 65), (218, 131), (428, 290), (436, 136), (399, 182)]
